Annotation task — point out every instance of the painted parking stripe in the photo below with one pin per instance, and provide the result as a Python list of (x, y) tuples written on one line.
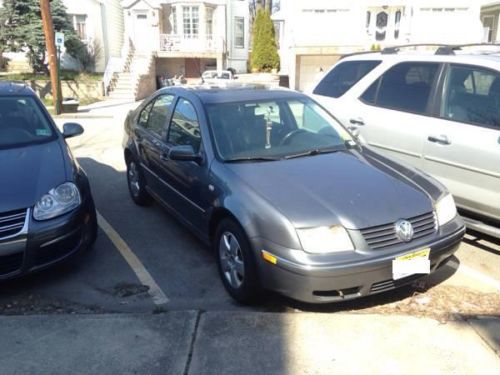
[(476, 275), (143, 275)]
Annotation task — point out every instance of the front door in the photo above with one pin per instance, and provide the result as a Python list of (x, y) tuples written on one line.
[(142, 31), (383, 24), (186, 181)]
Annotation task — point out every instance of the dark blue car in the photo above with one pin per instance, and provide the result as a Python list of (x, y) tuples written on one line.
[(47, 212)]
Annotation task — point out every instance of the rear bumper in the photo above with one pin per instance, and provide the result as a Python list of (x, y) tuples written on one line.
[(323, 283)]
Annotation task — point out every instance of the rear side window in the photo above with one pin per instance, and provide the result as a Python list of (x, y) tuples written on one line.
[(472, 95), (405, 87), (159, 114), (345, 75)]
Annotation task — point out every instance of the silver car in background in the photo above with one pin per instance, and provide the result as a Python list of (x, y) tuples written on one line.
[(439, 112)]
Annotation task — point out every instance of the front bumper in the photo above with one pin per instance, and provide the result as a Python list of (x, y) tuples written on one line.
[(364, 274), (44, 243)]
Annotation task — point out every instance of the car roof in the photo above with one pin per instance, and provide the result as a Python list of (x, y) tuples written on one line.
[(460, 57), (8, 88), (216, 94)]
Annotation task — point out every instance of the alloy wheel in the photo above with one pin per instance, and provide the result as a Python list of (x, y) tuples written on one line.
[(231, 257)]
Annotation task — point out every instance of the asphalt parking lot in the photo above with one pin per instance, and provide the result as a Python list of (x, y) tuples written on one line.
[(145, 261)]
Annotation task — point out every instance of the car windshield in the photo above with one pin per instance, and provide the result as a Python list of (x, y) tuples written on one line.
[(276, 129), (22, 122)]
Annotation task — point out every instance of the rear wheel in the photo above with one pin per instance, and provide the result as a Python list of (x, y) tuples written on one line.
[(137, 183), (236, 262)]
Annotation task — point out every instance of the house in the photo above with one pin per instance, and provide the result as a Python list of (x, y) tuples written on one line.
[(313, 34), (98, 23), (168, 38), (490, 17)]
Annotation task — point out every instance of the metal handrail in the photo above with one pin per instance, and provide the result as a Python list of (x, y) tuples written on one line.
[(116, 65)]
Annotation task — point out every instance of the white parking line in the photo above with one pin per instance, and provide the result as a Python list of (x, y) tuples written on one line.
[(477, 275), (143, 275)]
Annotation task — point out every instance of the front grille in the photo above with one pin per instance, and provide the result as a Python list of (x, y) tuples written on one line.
[(10, 263), (382, 236), (11, 222)]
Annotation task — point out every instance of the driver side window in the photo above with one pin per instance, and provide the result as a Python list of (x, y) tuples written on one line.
[(306, 118)]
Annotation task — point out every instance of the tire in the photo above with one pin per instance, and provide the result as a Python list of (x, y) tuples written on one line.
[(236, 262), (136, 183)]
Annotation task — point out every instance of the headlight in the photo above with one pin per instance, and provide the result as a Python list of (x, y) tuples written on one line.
[(57, 201), (445, 209), (325, 240)]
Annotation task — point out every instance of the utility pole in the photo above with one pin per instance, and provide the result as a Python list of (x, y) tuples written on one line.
[(48, 30)]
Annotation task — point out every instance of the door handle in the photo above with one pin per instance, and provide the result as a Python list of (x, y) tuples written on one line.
[(441, 139), (164, 156), (357, 121)]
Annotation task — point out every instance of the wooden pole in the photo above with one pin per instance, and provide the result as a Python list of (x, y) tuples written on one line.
[(48, 30)]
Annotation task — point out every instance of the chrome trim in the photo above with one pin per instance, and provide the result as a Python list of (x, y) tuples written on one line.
[(173, 189), (60, 238), (24, 229), (401, 151), (462, 166)]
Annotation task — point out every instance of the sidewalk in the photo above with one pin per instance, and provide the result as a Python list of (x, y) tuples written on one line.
[(190, 342), (109, 108)]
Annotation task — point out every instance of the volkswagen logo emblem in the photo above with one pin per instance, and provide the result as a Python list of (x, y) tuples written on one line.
[(404, 230)]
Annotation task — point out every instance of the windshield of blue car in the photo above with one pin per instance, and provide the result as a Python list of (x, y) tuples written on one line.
[(276, 129), (22, 122)]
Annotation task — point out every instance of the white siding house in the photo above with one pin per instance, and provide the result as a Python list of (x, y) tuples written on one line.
[(313, 34), (187, 36), (168, 38), (99, 23)]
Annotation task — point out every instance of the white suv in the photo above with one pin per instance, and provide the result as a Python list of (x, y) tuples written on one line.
[(437, 111)]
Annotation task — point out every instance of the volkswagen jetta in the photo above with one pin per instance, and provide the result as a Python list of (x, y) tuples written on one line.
[(286, 197)]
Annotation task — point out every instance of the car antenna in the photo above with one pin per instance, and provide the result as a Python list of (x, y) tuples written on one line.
[(269, 126)]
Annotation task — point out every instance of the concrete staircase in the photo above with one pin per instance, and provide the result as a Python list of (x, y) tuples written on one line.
[(126, 85)]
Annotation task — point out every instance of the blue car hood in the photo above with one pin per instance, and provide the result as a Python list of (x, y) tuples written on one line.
[(27, 173), (337, 188)]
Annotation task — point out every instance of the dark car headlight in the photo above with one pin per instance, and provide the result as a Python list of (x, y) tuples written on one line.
[(323, 240), (58, 201)]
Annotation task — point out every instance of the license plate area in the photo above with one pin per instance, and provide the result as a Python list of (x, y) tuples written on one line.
[(416, 262)]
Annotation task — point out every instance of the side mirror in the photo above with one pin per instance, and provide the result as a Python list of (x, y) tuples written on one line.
[(72, 129), (184, 153)]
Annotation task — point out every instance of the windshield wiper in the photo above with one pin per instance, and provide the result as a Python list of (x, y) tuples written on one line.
[(251, 158), (316, 151)]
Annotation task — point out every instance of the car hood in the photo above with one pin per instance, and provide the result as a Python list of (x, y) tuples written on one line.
[(29, 172), (337, 188)]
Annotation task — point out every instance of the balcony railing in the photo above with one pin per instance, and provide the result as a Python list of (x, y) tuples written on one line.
[(179, 43)]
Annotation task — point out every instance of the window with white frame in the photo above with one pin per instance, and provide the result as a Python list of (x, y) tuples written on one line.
[(239, 32), (191, 21), (173, 20), (79, 24), (209, 20)]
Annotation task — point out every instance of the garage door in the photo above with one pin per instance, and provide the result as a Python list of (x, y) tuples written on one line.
[(308, 66)]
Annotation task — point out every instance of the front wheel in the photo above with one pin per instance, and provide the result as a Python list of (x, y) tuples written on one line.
[(137, 183), (236, 262)]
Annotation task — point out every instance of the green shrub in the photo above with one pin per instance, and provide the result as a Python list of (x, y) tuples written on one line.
[(264, 51)]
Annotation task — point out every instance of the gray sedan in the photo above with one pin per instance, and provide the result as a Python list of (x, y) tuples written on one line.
[(286, 197)]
